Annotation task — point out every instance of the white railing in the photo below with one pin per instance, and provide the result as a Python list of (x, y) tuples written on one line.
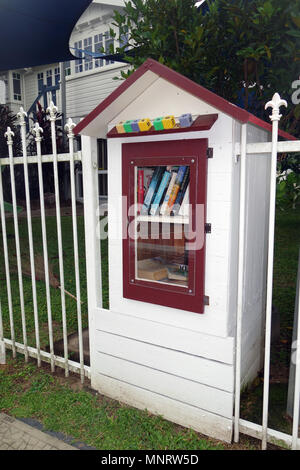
[(25, 161), (244, 149)]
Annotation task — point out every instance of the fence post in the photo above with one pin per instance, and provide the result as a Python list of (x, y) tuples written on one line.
[(275, 117), (92, 241)]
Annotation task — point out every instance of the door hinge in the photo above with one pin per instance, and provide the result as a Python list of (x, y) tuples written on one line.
[(206, 300), (210, 152), (207, 228)]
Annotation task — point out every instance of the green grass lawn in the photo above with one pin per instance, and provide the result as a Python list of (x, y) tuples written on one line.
[(60, 405), (69, 274)]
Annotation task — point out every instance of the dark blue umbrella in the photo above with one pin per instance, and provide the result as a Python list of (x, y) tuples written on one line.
[(36, 32)]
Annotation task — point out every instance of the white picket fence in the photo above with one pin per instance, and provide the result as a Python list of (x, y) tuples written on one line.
[(39, 159), (263, 432)]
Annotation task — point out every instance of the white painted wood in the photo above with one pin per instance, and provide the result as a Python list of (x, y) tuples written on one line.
[(186, 391), (180, 413), (62, 157), (59, 361), (191, 367), (9, 135), (92, 241), (37, 131), (276, 103), (163, 219), (168, 336), (52, 110), (240, 292), (6, 263), (266, 147), (21, 116), (69, 128)]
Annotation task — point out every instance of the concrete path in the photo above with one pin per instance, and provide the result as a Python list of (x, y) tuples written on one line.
[(16, 435)]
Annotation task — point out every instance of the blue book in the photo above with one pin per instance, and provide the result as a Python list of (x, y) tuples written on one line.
[(160, 192), (152, 189)]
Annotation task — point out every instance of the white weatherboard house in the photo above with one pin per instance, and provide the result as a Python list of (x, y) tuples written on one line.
[(166, 345)]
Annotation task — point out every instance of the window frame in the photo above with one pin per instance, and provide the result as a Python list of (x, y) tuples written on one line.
[(194, 153)]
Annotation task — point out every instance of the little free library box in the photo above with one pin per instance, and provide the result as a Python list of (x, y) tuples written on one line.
[(167, 342)]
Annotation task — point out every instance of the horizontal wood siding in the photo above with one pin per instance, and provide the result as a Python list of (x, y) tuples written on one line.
[(159, 334), (191, 367), (177, 412), (167, 370), (86, 92)]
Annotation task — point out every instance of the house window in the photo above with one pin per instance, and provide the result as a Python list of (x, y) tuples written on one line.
[(40, 78), (124, 38), (56, 75), (109, 44), (98, 47), (49, 77), (17, 86), (88, 47), (67, 68), (78, 62)]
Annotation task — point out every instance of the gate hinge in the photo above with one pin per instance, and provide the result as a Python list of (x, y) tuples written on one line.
[(207, 228), (210, 152)]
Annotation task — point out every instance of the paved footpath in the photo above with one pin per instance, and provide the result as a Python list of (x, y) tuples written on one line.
[(16, 435)]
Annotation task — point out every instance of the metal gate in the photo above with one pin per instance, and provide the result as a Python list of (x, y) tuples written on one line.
[(38, 160), (263, 432)]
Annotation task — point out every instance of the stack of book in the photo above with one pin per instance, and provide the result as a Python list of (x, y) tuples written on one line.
[(167, 193)]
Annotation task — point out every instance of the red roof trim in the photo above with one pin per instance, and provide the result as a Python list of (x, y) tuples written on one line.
[(186, 84), (202, 123)]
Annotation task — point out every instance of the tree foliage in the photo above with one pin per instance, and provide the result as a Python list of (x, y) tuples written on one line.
[(243, 50)]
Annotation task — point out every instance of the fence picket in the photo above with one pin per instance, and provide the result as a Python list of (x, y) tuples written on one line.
[(21, 115), (37, 131), (6, 263), (9, 134), (52, 110), (69, 128)]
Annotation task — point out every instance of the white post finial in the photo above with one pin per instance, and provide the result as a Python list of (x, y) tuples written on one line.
[(69, 128), (9, 134), (52, 110), (22, 115), (276, 103), (37, 131)]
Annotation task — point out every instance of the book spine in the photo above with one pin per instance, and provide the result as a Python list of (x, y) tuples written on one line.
[(181, 192), (168, 193), (140, 198), (184, 208), (165, 180), (176, 187), (151, 190)]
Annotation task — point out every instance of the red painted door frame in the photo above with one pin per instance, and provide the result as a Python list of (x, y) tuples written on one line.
[(192, 152)]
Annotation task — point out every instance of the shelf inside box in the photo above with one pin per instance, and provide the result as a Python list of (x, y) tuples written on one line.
[(176, 219)]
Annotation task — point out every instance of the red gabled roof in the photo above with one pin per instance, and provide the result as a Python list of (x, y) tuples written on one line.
[(185, 84)]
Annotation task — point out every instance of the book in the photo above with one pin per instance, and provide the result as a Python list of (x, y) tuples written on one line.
[(184, 208), (181, 193), (155, 181), (174, 272), (163, 209), (160, 192), (176, 188), (151, 269), (140, 192)]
